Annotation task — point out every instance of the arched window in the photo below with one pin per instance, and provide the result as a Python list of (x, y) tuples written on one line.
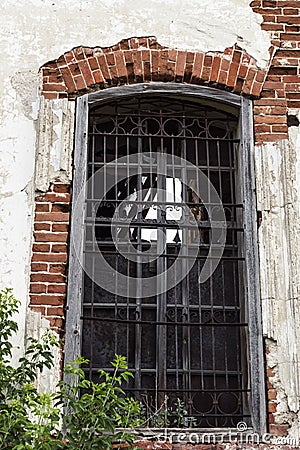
[(164, 229)]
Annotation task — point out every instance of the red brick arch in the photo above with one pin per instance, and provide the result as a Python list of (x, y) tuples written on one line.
[(139, 60), (81, 70)]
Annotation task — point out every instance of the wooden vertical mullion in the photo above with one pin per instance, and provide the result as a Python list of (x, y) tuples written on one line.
[(256, 354), (75, 276)]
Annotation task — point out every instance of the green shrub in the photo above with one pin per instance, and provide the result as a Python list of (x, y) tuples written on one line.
[(30, 420), (100, 409), (27, 417)]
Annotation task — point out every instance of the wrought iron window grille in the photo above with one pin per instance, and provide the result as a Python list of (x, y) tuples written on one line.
[(193, 341)]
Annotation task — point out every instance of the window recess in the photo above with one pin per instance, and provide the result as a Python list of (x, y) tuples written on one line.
[(194, 341)]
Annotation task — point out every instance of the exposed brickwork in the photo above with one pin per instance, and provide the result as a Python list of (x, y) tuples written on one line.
[(49, 258), (139, 60), (272, 396), (274, 428), (84, 69), (281, 89)]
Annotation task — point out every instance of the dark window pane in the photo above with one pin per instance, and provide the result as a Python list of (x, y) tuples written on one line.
[(184, 343)]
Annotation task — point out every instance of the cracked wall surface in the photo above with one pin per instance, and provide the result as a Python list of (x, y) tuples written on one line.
[(37, 31), (55, 134), (278, 190), (36, 146)]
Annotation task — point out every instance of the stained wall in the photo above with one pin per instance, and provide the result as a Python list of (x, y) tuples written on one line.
[(36, 141)]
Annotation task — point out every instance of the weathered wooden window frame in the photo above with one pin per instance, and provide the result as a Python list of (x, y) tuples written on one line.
[(74, 299)]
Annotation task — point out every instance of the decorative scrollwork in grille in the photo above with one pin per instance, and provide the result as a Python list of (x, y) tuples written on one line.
[(185, 342)]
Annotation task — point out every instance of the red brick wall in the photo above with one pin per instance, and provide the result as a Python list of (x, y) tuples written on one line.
[(84, 69), (281, 89), (275, 429), (140, 60), (49, 254)]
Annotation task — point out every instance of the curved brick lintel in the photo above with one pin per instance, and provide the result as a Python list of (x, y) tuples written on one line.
[(139, 60)]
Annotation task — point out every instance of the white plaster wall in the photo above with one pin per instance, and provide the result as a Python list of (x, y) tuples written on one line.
[(17, 150)]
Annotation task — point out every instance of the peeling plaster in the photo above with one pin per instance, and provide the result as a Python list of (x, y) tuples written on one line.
[(26, 85), (55, 135), (278, 190), (36, 326), (49, 27), (286, 412), (47, 30)]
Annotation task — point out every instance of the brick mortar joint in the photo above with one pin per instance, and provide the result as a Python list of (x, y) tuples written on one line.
[(49, 277), (167, 61)]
